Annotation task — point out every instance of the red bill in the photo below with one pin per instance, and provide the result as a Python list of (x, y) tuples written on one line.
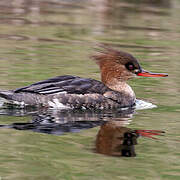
[(150, 74)]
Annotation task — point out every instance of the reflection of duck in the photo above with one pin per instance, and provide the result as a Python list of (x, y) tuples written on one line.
[(54, 121), (116, 140), (75, 92)]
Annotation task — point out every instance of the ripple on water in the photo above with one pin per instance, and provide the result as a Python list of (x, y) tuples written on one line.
[(140, 105)]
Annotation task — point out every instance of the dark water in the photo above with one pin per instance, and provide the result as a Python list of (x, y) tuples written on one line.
[(40, 39)]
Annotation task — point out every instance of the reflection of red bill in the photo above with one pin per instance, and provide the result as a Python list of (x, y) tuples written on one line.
[(150, 74), (149, 133)]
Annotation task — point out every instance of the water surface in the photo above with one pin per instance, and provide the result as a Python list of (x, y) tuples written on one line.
[(43, 39)]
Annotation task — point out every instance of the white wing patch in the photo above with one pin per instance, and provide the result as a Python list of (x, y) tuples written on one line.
[(57, 105), (55, 91)]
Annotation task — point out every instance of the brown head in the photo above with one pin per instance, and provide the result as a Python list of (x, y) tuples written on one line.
[(119, 66)]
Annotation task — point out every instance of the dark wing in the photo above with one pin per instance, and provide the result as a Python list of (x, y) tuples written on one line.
[(67, 84)]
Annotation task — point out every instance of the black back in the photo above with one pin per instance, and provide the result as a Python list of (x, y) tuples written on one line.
[(68, 84)]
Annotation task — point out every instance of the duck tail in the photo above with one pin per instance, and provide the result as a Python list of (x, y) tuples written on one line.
[(6, 94)]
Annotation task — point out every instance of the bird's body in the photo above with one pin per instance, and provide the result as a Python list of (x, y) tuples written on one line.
[(76, 92), (68, 92)]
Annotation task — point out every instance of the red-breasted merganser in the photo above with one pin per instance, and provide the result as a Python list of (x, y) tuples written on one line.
[(75, 92)]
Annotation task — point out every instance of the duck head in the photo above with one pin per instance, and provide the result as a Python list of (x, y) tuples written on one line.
[(118, 66)]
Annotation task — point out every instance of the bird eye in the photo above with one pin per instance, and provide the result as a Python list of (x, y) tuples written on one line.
[(130, 66)]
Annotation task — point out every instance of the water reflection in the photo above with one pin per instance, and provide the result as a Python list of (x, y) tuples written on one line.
[(116, 140), (62, 121), (32, 12), (79, 20), (113, 138)]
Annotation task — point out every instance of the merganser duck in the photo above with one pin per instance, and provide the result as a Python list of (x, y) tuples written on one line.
[(75, 92)]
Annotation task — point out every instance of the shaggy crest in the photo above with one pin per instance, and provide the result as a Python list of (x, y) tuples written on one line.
[(106, 53)]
